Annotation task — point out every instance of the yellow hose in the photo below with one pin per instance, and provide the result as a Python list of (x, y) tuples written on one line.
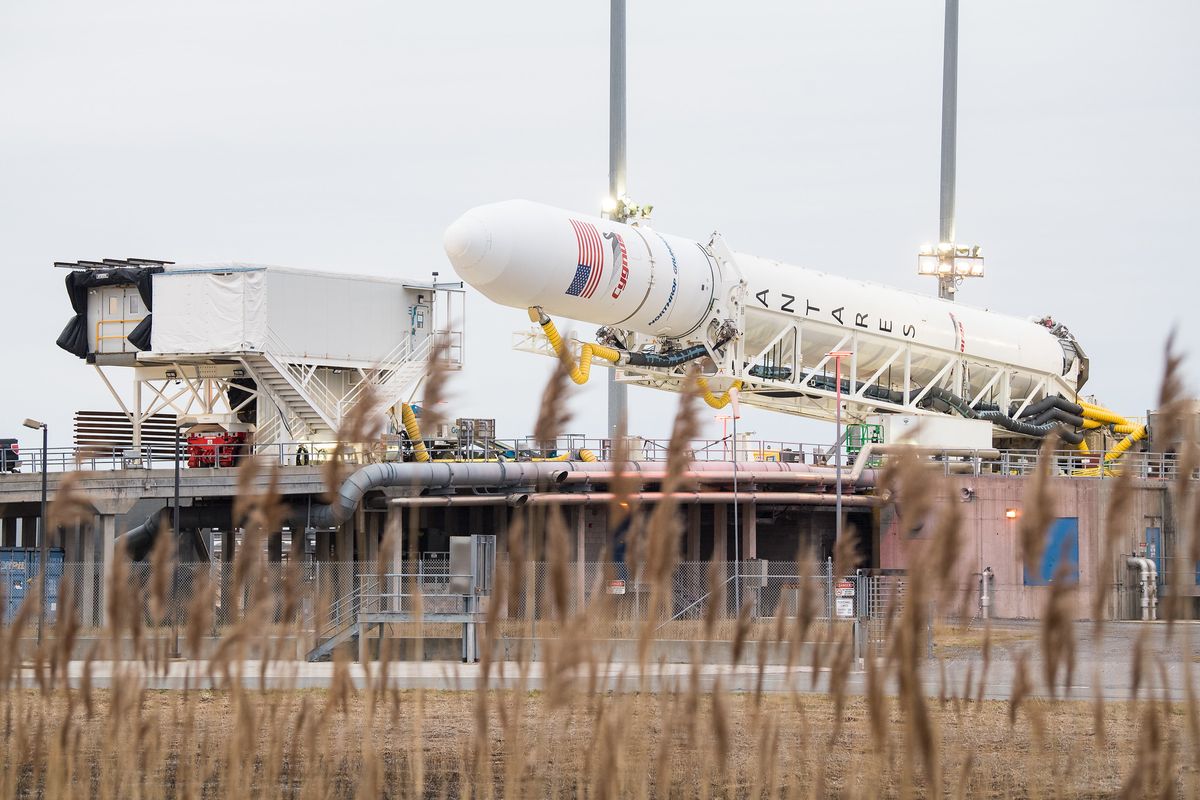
[(414, 432), (1128, 429), (586, 455), (716, 401), (1120, 447), (1100, 414), (579, 373), (1092, 424), (1082, 447)]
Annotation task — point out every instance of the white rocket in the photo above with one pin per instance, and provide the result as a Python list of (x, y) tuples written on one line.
[(768, 324)]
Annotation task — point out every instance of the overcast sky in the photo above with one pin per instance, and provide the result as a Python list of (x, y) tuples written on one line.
[(346, 136)]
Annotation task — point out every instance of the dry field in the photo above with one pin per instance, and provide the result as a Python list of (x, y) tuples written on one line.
[(413, 744)]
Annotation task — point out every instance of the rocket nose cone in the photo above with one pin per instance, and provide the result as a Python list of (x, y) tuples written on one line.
[(467, 242)]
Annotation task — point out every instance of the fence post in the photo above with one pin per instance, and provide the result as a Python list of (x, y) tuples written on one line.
[(861, 615), (829, 607)]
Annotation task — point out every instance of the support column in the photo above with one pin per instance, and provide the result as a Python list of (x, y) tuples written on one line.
[(500, 528), (359, 552), (580, 555), (275, 547), (228, 553), (28, 536), (108, 539), (8, 532), (749, 517), (692, 539), (720, 532), (87, 600)]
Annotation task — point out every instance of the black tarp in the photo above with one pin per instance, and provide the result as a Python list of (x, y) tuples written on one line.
[(73, 338)]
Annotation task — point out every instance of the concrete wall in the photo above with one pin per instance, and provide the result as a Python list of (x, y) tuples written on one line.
[(989, 538)]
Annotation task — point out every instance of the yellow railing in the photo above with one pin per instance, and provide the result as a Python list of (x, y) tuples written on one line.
[(122, 335)]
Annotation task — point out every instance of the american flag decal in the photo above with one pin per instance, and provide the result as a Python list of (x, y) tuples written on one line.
[(591, 260)]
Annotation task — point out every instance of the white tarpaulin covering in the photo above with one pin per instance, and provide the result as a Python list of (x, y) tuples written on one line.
[(210, 311)]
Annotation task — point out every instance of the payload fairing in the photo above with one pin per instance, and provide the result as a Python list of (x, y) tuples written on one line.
[(664, 301)]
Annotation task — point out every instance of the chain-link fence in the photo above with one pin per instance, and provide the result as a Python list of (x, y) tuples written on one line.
[(699, 600)]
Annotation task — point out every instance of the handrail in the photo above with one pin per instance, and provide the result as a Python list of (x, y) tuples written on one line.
[(1007, 463), (697, 602), (389, 371)]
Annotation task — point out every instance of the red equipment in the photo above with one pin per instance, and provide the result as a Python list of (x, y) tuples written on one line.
[(214, 449)]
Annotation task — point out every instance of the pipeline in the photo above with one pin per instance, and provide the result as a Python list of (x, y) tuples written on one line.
[(139, 540), (414, 432), (672, 359), (949, 400), (1120, 447), (1148, 578), (1101, 414), (700, 471), (716, 401), (759, 497), (1046, 404), (581, 372), (492, 474)]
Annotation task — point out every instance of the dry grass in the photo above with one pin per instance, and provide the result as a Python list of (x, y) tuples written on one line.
[(575, 739), (954, 638), (222, 744)]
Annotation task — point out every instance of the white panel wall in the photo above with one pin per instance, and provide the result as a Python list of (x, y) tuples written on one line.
[(336, 317), (209, 312)]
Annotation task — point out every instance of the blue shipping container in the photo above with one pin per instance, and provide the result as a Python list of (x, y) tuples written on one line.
[(18, 570)]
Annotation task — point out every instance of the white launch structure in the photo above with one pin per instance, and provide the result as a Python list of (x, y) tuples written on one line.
[(283, 355), (665, 302)]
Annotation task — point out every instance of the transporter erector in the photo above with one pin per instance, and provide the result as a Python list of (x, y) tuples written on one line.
[(664, 302)]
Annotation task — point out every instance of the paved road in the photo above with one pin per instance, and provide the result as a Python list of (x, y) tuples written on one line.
[(1102, 667)]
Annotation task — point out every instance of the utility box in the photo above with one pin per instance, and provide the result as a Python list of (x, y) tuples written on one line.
[(755, 574), (19, 567), (934, 431)]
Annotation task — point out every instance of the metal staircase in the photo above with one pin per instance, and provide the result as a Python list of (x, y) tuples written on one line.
[(344, 621), (309, 408), (454, 593), (292, 405)]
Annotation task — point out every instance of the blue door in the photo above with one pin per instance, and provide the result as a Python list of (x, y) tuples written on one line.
[(1060, 554), (1154, 550)]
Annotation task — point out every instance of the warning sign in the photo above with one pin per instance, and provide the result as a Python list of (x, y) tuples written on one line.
[(844, 607), (843, 589), (616, 587)]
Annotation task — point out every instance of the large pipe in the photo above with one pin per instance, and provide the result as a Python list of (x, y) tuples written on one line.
[(442, 500), (496, 474), (138, 540), (871, 450), (985, 593), (707, 476), (1148, 578), (769, 470), (761, 498)]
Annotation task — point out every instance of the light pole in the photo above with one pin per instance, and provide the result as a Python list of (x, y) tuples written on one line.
[(837, 356), (737, 531), (43, 545), (179, 425)]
